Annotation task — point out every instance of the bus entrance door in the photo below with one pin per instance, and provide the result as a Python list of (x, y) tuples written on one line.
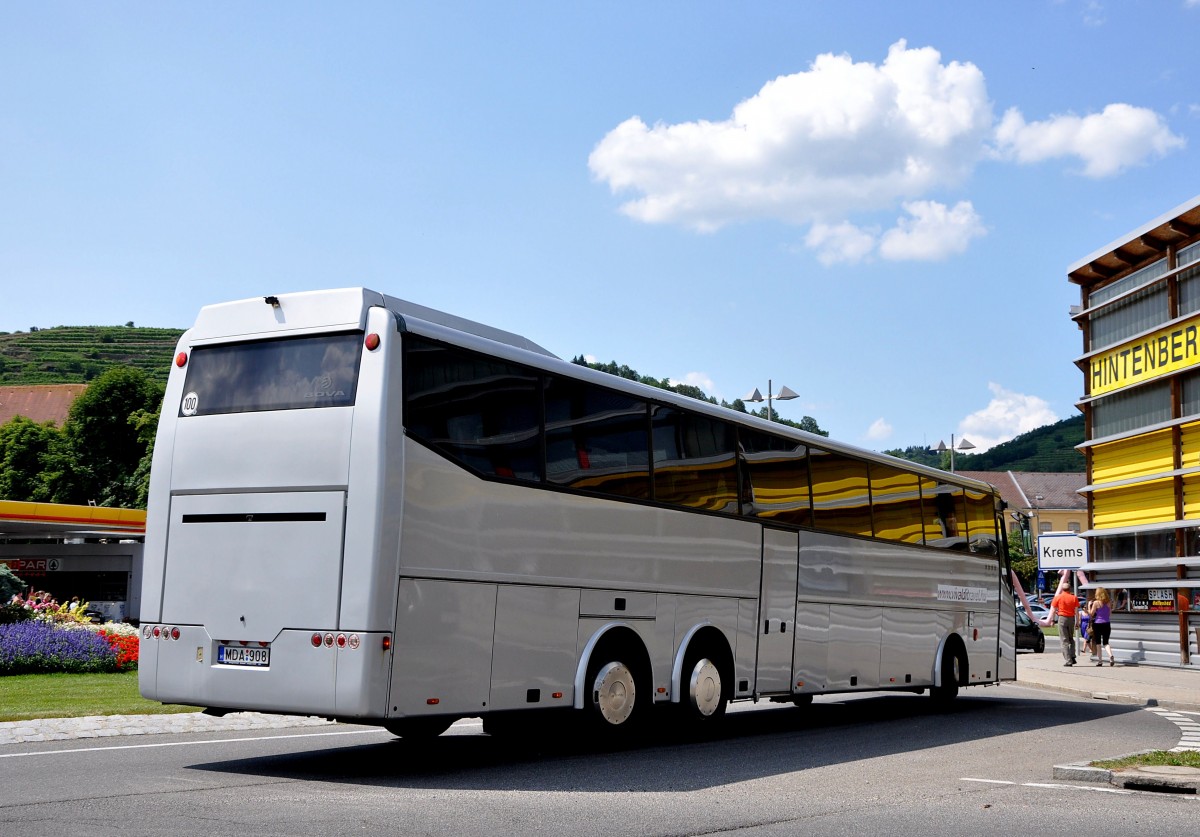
[(777, 612)]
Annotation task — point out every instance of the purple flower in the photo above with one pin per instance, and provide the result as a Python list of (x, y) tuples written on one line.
[(31, 647)]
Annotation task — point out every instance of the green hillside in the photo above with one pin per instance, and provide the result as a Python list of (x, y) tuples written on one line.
[(77, 354), (1050, 448)]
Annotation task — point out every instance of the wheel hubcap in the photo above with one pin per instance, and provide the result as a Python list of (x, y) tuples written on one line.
[(704, 688), (614, 693)]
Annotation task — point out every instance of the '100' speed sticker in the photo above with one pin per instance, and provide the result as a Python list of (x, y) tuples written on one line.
[(190, 402)]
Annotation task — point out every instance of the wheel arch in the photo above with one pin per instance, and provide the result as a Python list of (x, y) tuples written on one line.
[(709, 636), (952, 643), (618, 634)]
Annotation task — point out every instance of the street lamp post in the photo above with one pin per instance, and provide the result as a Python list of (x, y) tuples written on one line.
[(785, 394), (963, 444)]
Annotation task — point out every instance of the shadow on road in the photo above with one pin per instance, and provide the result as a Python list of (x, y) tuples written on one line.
[(751, 744)]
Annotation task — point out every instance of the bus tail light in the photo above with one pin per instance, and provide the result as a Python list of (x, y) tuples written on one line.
[(341, 640), (316, 640), (387, 643), (181, 359), (174, 633), (372, 342)]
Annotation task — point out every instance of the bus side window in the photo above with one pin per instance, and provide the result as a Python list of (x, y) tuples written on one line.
[(694, 461), (896, 504), (981, 522), (596, 439), (775, 484), (481, 412), (944, 514), (841, 493)]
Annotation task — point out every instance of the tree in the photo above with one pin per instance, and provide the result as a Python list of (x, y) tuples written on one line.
[(100, 448), (23, 446), (146, 424), (1024, 565), (10, 584)]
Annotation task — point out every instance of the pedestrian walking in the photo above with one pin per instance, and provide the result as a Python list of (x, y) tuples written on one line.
[(1101, 613), (1066, 605)]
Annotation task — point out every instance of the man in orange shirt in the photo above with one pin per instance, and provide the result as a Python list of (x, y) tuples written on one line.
[(1066, 605)]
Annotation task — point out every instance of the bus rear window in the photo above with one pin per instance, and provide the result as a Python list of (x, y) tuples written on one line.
[(292, 374)]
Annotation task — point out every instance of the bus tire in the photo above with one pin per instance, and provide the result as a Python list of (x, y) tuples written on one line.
[(612, 692), (617, 685), (802, 700), (954, 671), (704, 694), (419, 729)]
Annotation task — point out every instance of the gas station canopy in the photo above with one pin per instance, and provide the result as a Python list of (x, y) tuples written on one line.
[(38, 521)]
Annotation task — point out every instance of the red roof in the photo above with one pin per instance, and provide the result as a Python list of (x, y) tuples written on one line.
[(1020, 489), (49, 402)]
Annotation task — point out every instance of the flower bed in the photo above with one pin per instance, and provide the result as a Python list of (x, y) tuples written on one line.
[(48, 637)]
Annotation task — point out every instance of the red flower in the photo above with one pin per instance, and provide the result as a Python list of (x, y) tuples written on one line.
[(125, 648)]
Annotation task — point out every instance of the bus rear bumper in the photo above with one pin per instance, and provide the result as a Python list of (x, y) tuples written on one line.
[(306, 672)]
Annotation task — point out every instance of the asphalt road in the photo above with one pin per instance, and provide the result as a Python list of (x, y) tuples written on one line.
[(863, 765)]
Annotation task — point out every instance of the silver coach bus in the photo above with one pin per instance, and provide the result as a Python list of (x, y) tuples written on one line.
[(365, 509)]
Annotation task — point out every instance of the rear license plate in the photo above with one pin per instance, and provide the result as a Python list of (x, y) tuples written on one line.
[(238, 655)]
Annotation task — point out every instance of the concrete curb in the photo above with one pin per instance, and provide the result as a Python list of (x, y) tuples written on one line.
[(104, 726), (1164, 778)]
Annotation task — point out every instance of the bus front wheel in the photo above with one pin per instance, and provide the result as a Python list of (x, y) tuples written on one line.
[(612, 692), (954, 665)]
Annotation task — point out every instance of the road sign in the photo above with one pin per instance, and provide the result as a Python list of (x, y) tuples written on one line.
[(1061, 551)]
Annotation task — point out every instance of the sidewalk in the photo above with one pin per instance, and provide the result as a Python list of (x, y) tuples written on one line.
[(1143, 685), (107, 726)]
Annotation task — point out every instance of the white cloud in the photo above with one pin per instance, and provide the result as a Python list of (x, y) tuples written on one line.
[(697, 379), (1008, 414), (846, 139), (810, 147), (932, 232), (842, 242), (1107, 143), (879, 430)]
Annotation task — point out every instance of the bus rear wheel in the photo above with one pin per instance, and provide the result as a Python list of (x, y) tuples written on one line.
[(704, 697)]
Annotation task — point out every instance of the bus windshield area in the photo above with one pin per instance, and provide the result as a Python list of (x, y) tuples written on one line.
[(290, 374)]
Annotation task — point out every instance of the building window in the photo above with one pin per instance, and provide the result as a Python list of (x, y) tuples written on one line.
[(1187, 255), (1189, 291), (1140, 546), (1140, 312), (1073, 527), (1190, 400), (1139, 277), (1127, 411)]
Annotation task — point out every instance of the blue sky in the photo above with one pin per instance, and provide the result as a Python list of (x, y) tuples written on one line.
[(873, 204)]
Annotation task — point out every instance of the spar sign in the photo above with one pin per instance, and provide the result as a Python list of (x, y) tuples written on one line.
[(1061, 551)]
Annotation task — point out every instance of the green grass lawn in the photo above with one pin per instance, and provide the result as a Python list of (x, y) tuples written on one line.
[(1188, 758), (27, 696)]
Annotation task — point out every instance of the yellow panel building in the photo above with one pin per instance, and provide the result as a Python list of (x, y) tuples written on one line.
[(1139, 313)]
